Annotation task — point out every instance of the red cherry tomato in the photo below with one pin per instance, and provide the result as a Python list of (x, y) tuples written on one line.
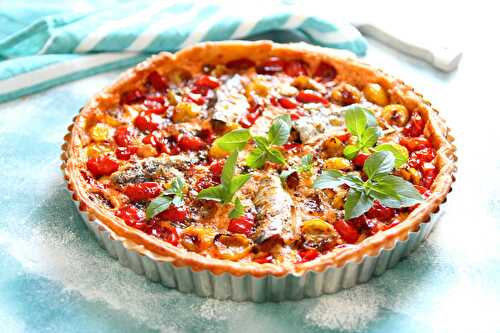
[(206, 81), (307, 255), (380, 212), (155, 105), (429, 172), (133, 96), (309, 96), (264, 258), (415, 126), (188, 142), (360, 159), (348, 233), (242, 225), (271, 66), (216, 170), (130, 214), (207, 135), (170, 235), (326, 72), (423, 191), (174, 214), (123, 136), (344, 137), (417, 158), (157, 81), (147, 122), (249, 119), (240, 64), (291, 146), (154, 139), (143, 191), (413, 144), (102, 166), (295, 68), (287, 103), (297, 115), (124, 153), (196, 98)]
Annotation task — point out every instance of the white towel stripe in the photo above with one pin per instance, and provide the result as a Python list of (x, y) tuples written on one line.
[(54, 71)]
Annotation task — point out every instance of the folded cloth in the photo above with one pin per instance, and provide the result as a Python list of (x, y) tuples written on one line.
[(73, 44)]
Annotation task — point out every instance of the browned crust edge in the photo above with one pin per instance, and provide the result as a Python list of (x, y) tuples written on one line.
[(219, 52)]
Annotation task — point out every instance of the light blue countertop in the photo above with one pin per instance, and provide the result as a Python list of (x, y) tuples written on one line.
[(54, 277)]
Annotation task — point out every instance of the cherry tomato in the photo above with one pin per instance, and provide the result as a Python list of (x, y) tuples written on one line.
[(360, 159), (124, 153), (309, 96), (287, 103), (155, 105), (143, 191), (207, 82), (417, 158), (154, 139), (429, 172), (102, 166), (123, 136), (249, 119), (307, 255), (413, 144), (297, 115), (348, 233), (174, 214), (415, 126), (291, 146), (196, 98), (207, 135), (264, 258), (380, 212), (130, 214), (188, 142), (147, 122), (295, 68), (157, 81), (242, 225), (240, 64), (423, 191), (216, 169), (271, 66), (170, 235), (344, 137), (326, 72), (133, 96)]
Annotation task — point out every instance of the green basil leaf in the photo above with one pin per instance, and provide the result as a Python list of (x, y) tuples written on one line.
[(369, 137), (329, 179), (261, 142), (355, 120), (228, 170), (234, 140), (214, 193), (236, 183), (238, 209), (406, 192), (378, 164), (306, 163), (275, 156), (357, 204), (371, 120), (177, 186), (157, 206), (354, 182), (400, 153), (256, 158), (280, 130), (350, 151), (177, 201), (285, 174)]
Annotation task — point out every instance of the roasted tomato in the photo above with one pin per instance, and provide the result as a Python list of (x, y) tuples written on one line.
[(309, 96), (295, 68), (413, 144), (133, 96), (249, 119), (242, 225), (360, 159), (240, 64), (206, 81), (287, 103), (130, 214), (124, 153), (325, 72), (429, 172), (170, 235), (271, 66), (102, 166), (143, 191), (147, 121), (174, 214), (417, 158), (307, 255), (263, 258), (348, 233), (123, 136), (216, 170), (380, 212), (155, 105), (157, 81), (415, 126), (189, 142)]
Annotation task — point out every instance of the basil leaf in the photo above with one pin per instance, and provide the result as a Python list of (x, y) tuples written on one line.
[(214, 193), (354, 182), (280, 130), (177, 201), (378, 164), (329, 179), (228, 170), (371, 120), (406, 192), (350, 151), (261, 142), (234, 140), (357, 204), (238, 209), (177, 186), (369, 137), (256, 158), (236, 183), (275, 156), (400, 153), (285, 174), (355, 120), (157, 206), (306, 163)]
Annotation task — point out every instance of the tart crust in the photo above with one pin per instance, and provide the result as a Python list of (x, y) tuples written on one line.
[(191, 59)]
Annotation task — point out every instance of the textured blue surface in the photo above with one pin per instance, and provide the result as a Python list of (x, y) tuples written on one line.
[(55, 278)]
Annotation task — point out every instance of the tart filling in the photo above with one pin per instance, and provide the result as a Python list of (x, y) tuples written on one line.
[(271, 160)]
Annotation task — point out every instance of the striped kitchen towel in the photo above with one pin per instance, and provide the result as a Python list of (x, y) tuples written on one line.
[(71, 44)]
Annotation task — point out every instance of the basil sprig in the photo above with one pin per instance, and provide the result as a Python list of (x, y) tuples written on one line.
[(172, 196), (265, 149), (305, 165), (362, 124), (230, 184), (390, 190)]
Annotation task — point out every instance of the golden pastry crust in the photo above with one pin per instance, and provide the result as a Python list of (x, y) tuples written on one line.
[(191, 59)]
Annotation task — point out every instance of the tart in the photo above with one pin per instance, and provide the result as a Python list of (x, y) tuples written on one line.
[(258, 159)]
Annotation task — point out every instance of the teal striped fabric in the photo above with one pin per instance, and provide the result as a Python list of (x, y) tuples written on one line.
[(67, 45)]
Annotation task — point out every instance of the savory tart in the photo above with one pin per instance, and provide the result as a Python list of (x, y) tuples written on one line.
[(259, 158)]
